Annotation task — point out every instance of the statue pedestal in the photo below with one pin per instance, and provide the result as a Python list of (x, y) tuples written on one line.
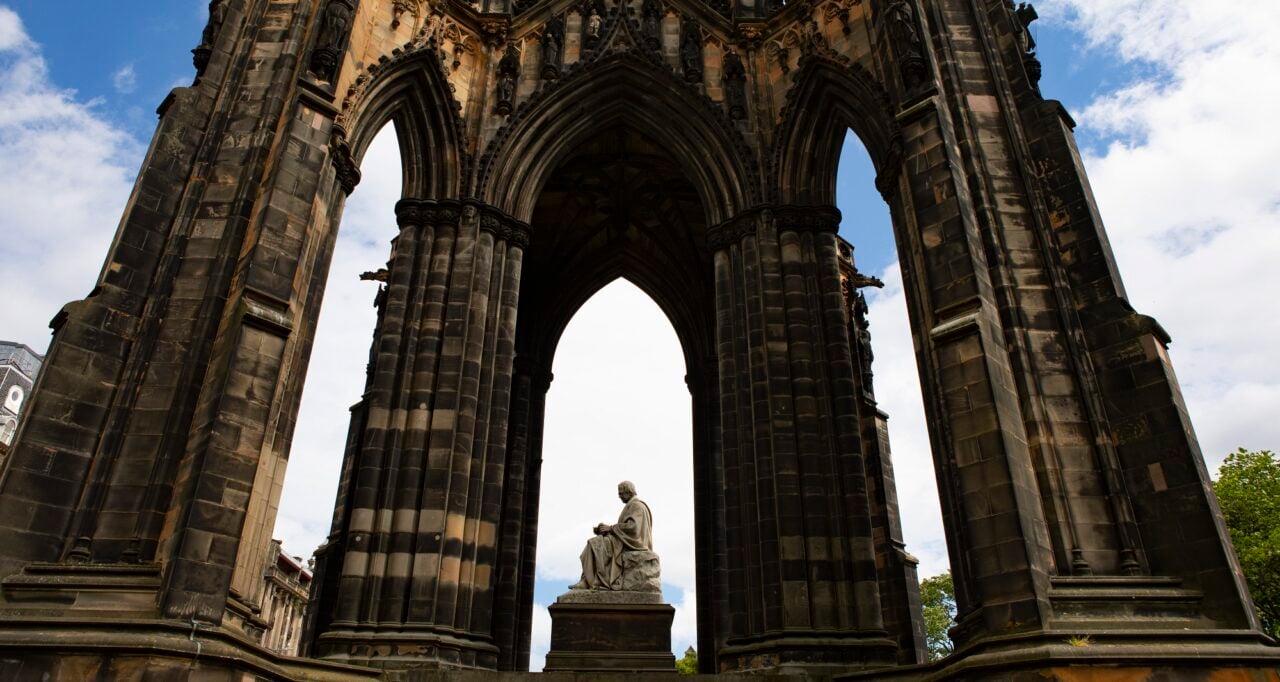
[(598, 631)]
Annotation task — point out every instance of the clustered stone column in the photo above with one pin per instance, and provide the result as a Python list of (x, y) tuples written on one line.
[(415, 537), (513, 608), (802, 574)]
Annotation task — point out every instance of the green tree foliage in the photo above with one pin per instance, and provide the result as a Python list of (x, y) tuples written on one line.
[(689, 664), (938, 596), (1248, 489)]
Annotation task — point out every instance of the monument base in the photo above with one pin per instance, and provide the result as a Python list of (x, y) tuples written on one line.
[(605, 631)]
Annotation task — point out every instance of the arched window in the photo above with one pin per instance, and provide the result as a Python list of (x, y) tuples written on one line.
[(6, 430)]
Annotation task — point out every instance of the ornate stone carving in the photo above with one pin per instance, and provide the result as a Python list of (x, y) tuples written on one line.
[(592, 12), (732, 231), (691, 50), (399, 8), (904, 34), (203, 52), (508, 72), (621, 556), (493, 29), (734, 80), (552, 47), (1026, 15), (651, 13), (807, 218), (750, 35), (348, 171), (331, 37)]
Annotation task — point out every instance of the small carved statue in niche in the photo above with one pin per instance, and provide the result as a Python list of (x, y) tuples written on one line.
[(508, 71), (217, 16), (651, 22), (734, 78), (865, 354), (1026, 15), (334, 26), (904, 33), (593, 27), (691, 50), (203, 52), (552, 46)]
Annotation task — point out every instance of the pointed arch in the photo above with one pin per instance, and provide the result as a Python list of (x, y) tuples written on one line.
[(412, 91), (829, 98), (631, 89)]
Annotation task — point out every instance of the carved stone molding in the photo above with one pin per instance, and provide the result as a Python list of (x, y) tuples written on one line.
[(807, 218), (733, 230), (416, 212)]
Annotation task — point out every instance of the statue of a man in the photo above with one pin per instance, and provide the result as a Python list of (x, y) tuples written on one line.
[(620, 557)]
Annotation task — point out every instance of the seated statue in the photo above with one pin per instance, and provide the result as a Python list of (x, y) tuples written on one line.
[(620, 557)]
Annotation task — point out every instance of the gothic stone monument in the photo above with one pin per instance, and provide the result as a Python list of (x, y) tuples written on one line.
[(690, 146), (613, 619)]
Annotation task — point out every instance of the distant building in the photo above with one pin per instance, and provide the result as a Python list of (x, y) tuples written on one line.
[(284, 602), (18, 368)]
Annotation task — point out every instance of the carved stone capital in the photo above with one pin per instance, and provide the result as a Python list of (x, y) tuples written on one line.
[(733, 230), (504, 227), (807, 218)]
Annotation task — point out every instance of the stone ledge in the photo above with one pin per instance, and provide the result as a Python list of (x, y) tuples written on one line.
[(609, 597), (1120, 655), (152, 644)]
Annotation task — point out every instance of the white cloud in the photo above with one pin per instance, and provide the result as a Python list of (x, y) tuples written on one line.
[(65, 175), (125, 79), (12, 34)]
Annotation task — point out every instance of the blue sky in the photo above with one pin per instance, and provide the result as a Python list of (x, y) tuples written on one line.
[(1184, 174)]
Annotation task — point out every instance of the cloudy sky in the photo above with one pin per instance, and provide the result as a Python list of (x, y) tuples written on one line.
[(1174, 98)]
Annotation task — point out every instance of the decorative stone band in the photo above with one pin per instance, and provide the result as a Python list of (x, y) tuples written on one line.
[(789, 218), (492, 220)]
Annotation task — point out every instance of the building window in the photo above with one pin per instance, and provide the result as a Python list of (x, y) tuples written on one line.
[(6, 430), (13, 401)]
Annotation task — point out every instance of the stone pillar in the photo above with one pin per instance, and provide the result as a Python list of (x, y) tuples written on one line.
[(802, 579), (425, 499), (513, 605), (896, 569)]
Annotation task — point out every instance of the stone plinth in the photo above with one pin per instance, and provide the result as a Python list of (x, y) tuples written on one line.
[(605, 631)]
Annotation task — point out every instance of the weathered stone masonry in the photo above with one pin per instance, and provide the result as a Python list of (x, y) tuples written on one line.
[(549, 147)]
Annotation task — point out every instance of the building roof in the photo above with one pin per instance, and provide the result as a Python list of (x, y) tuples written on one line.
[(21, 356)]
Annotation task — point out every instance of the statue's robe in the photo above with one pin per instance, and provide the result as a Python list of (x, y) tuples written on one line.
[(603, 565)]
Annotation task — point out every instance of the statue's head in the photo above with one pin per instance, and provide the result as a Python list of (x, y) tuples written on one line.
[(626, 491)]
